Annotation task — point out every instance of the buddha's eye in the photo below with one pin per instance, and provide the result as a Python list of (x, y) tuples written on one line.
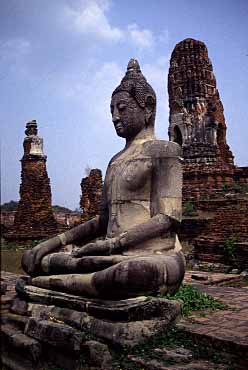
[(121, 106)]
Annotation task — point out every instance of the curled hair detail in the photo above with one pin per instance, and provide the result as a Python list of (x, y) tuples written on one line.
[(136, 84)]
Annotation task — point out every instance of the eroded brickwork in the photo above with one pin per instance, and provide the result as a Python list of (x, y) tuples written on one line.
[(197, 120), (34, 217), (91, 194), (213, 187)]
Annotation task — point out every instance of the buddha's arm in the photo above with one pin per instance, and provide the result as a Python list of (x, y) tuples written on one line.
[(89, 230), (156, 226)]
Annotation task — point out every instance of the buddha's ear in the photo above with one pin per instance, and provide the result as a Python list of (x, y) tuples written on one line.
[(149, 107)]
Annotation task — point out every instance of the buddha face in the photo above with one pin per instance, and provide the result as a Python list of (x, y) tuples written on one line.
[(128, 117)]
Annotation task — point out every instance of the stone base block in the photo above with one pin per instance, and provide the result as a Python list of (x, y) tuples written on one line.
[(124, 323), (77, 333), (134, 309)]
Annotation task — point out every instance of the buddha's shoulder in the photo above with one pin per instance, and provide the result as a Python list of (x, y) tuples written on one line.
[(116, 157), (161, 148)]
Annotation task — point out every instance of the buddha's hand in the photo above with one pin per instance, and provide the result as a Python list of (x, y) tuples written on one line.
[(99, 248)]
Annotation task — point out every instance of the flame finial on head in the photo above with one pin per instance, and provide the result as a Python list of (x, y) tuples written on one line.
[(136, 84), (133, 65)]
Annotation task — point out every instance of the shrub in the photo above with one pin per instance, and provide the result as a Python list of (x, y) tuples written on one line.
[(189, 209), (230, 248)]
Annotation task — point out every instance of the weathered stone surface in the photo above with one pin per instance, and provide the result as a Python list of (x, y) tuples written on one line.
[(57, 334), (131, 333), (14, 338), (3, 287), (139, 215), (34, 217), (19, 306), (124, 334), (97, 355), (124, 310), (157, 365), (177, 354)]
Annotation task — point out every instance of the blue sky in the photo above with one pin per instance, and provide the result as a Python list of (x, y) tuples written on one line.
[(61, 59)]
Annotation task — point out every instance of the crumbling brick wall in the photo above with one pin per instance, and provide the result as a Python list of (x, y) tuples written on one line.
[(91, 194)]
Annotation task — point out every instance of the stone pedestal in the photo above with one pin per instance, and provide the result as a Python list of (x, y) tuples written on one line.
[(72, 332)]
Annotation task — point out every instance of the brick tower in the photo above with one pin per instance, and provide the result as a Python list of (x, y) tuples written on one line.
[(197, 119), (34, 217), (91, 194)]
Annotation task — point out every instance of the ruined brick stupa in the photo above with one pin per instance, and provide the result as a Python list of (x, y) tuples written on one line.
[(197, 121), (212, 184), (34, 217), (91, 194)]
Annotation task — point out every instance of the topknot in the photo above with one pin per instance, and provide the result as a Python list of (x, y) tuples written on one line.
[(136, 84)]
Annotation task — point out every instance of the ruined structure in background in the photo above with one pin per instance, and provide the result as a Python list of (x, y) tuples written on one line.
[(197, 121), (34, 218), (214, 189), (91, 194)]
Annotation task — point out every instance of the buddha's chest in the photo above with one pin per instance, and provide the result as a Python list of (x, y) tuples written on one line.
[(129, 179)]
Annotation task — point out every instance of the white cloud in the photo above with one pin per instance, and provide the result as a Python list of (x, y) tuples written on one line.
[(91, 19), (95, 88), (140, 38)]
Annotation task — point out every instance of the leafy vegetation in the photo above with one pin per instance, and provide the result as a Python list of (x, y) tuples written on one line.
[(230, 248), (239, 188), (57, 208), (12, 206), (189, 209), (193, 300), (9, 206)]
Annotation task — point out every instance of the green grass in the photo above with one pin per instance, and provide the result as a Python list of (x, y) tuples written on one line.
[(192, 300)]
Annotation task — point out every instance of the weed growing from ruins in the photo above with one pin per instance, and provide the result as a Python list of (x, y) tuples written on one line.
[(230, 248), (173, 338), (189, 209), (225, 187), (193, 300)]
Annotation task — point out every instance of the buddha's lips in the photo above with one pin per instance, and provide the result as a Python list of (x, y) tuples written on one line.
[(118, 126)]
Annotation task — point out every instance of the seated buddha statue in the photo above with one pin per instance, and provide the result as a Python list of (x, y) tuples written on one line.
[(134, 248)]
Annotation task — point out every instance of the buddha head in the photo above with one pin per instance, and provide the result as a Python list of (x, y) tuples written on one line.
[(133, 103)]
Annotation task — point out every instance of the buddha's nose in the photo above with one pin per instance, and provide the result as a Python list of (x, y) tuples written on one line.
[(115, 115), (116, 118)]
